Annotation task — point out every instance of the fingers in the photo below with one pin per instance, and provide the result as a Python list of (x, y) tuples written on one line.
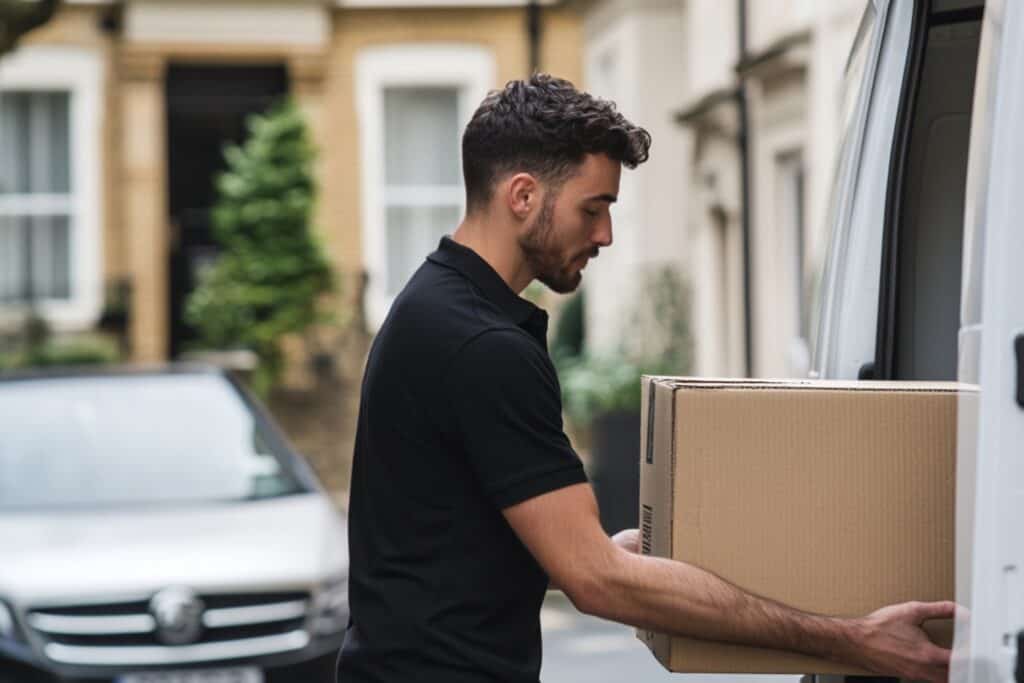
[(923, 611), (906, 646), (938, 656), (937, 670)]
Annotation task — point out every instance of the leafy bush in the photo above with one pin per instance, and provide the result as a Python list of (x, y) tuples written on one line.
[(273, 274), (77, 350), (84, 350)]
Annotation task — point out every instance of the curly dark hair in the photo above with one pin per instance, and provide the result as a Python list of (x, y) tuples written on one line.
[(543, 126)]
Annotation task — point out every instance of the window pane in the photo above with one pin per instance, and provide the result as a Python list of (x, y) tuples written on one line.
[(57, 107), (12, 258), (413, 232), (14, 144), (51, 262), (34, 258), (421, 136), (789, 173), (35, 152)]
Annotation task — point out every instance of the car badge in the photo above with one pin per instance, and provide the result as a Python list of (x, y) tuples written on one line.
[(178, 612)]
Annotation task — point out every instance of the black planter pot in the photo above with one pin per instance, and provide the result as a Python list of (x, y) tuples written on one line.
[(615, 468)]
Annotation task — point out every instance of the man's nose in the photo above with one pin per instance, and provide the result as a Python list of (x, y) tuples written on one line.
[(603, 234)]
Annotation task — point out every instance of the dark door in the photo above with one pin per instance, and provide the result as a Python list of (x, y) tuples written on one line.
[(206, 108)]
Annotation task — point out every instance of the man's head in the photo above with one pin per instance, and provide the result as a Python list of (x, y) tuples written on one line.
[(549, 157)]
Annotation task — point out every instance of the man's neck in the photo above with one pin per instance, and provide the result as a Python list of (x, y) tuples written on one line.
[(498, 247)]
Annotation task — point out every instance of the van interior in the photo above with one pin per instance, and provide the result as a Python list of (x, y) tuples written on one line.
[(919, 312)]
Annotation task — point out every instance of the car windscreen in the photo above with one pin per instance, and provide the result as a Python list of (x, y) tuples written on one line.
[(135, 439)]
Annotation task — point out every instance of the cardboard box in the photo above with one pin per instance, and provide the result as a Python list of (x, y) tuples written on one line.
[(835, 498)]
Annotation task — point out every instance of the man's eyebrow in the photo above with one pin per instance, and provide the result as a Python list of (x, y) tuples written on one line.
[(610, 198)]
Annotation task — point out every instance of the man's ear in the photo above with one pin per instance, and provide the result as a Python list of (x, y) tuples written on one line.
[(522, 194)]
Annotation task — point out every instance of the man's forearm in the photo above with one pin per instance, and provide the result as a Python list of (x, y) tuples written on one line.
[(674, 597)]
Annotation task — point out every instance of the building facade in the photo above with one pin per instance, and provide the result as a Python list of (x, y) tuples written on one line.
[(113, 116), (723, 86)]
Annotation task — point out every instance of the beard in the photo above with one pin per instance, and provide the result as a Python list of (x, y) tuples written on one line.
[(544, 256)]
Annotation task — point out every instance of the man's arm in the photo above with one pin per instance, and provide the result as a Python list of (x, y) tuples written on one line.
[(603, 578)]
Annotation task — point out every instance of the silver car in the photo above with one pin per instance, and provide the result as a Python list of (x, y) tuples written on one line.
[(155, 527)]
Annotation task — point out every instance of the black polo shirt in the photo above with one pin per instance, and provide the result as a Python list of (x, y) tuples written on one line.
[(460, 417)]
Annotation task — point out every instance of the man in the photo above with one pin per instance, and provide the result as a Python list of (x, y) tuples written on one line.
[(467, 498)]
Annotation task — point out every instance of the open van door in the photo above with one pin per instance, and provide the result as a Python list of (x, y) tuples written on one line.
[(891, 290), (990, 468)]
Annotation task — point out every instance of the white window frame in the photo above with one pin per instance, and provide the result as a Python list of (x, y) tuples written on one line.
[(78, 72), (467, 68)]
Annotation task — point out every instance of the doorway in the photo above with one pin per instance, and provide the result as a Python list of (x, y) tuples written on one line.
[(207, 107)]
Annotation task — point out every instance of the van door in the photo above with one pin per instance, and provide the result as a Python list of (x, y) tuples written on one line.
[(990, 461), (890, 300), (870, 97), (920, 279)]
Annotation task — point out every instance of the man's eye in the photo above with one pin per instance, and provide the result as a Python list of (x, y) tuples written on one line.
[(590, 212)]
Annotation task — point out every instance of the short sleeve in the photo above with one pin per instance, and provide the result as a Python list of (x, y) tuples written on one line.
[(507, 414)]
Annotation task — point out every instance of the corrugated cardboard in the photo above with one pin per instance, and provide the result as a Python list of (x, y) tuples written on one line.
[(835, 498)]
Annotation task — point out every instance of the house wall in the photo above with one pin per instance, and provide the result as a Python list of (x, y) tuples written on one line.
[(632, 56), (320, 44), (793, 110)]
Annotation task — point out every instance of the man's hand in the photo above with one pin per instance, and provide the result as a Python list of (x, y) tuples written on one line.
[(607, 578), (628, 540), (891, 641)]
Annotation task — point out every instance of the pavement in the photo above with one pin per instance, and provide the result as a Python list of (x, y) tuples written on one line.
[(583, 649)]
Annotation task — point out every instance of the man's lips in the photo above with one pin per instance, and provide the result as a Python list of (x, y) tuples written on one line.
[(585, 257)]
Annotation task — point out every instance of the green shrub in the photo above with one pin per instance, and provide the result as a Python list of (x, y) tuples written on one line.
[(57, 352), (273, 274), (84, 350)]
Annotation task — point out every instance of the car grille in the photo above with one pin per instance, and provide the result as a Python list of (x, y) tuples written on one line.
[(234, 626)]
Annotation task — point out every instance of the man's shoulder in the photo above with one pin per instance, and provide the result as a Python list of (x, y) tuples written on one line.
[(439, 301)]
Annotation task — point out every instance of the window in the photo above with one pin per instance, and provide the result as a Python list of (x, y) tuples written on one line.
[(848, 310), (50, 167), (789, 173), (423, 192), (35, 196), (724, 285), (413, 102), (798, 277), (856, 65)]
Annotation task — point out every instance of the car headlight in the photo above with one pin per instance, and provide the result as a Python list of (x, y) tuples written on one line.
[(330, 607), (8, 629)]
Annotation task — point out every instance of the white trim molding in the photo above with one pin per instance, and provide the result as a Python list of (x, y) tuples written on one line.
[(219, 22), (406, 4), (468, 68), (80, 73)]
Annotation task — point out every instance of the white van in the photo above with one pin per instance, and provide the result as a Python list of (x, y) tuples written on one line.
[(925, 273)]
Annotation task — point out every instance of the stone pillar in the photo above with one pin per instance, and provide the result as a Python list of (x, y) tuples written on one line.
[(142, 196), (306, 73)]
